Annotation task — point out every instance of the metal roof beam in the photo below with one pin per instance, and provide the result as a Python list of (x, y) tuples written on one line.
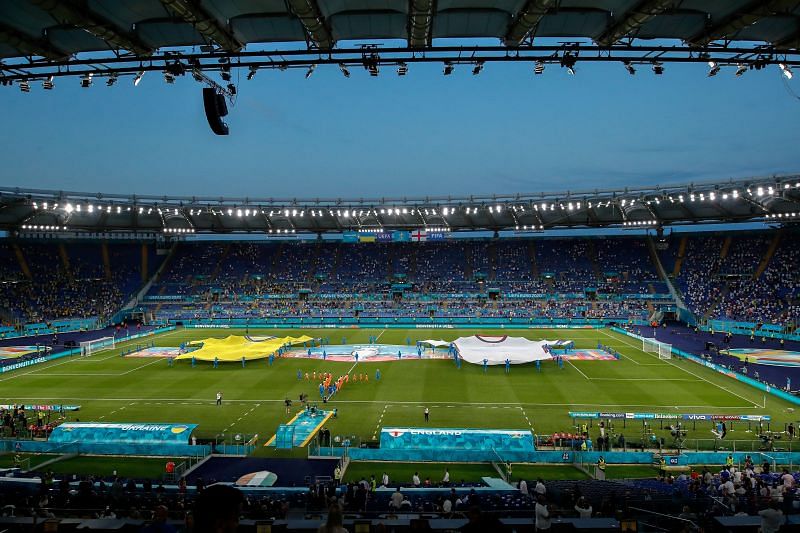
[(204, 22), (420, 23), (742, 19), (77, 14), (635, 19), (313, 22), (526, 21), (27, 45)]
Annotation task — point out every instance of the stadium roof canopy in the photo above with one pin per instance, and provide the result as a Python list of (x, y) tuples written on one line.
[(63, 33), (774, 199)]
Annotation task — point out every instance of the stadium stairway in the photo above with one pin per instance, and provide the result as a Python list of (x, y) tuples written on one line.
[(62, 252), (591, 253), (106, 260), (762, 266), (23, 264), (676, 271), (532, 260)]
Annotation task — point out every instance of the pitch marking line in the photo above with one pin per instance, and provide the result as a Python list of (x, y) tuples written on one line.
[(175, 401), (669, 361), (579, 370), (70, 359), (379, 336)]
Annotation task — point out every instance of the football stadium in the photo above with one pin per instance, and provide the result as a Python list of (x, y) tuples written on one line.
[(197, 350)]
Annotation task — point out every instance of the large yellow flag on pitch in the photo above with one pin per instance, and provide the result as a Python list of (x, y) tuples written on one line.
[(233, 347)]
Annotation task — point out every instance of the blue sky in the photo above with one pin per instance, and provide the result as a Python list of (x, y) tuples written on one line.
[(504, 131)]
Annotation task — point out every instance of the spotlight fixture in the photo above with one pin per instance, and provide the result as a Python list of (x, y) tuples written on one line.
[(372, 67), (629, 68), (345, 71), (48, 83), (658, 68), (740, 69), (252, 72), (86, 80), (568, 62), (402, 69), (169, 78), (24, 86), (539, 68), (310, 71), (112, 79), (448, 68), (713, 68), (786, 70), (138, 78), (225, 73), (478, 68)]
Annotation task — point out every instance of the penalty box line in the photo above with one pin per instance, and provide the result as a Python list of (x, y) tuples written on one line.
[(669, 361)]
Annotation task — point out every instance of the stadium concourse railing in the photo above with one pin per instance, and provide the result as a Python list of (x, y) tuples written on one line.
[(77, 351), (725, 371), (770, 331)]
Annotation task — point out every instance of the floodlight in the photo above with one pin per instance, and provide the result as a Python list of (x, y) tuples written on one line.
[(629, 68), (713, 68), (448, 68), (310, 71), (345, 71), (539, 68), (86, 80), (24, 86), (478, 68), (169, 77), (252, 73), (402, 69), (658, 68), (48, 83), (786, 70), (741, 69)]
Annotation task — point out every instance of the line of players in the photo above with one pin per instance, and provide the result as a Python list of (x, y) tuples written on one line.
[(328, 387)]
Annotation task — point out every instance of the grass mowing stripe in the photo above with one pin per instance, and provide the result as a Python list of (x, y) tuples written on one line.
[(669, 361)]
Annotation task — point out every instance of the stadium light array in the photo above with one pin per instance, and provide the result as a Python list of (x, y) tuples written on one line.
[(345, 71), (86, 80), (48, 83), (448, 68), (658, 68), (713, 69), (636, 223), (179, 230), (478, 68), (38, 227), (538, 68), (402, 69)]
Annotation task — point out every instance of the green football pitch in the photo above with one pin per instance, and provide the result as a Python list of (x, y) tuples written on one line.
[(111, 388)]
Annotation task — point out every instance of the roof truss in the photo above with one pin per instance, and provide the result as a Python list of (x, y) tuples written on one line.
[(633, 20), (70, 13), (743, 19), (313, 22), (526, 21), (204, 22), (420, 23)]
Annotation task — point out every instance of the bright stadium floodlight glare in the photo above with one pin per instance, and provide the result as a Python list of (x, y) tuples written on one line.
[(740, 70), (629, 68), (787, 72), (86, 80), (345, 71), (310, 70), (138, 78), (713, 68), (538, 69)]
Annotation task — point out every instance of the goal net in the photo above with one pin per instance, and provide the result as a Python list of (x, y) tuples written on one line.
[(663, 349), (95, 345)]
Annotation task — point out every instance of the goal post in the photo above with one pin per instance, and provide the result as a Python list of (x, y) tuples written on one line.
[(663, 349), (95, 345)]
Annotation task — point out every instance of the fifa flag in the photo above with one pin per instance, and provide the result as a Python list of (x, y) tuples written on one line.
[(419, 236)]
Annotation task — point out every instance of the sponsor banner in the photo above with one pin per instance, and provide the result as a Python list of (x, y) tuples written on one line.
[(30, 407), (23, 364), (134, 433), (405, 438), (668, 416), (384, 236)]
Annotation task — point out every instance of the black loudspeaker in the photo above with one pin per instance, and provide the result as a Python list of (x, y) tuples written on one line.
[(216, 108)]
